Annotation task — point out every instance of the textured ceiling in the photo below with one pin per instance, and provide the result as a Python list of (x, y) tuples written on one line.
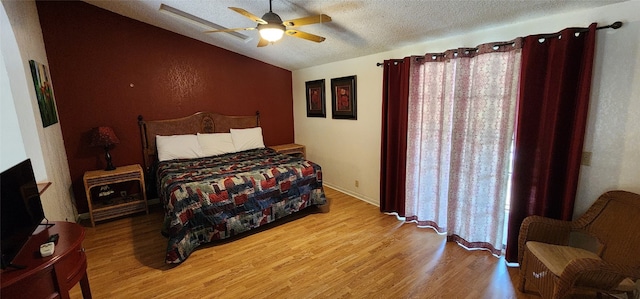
[(358, 28)]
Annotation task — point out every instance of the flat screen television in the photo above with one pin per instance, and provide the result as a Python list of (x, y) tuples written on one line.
[(20, 209)]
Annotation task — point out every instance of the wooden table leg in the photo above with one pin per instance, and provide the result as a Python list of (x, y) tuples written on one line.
[(84, 286)]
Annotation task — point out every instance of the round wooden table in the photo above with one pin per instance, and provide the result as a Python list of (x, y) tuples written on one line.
[(52, 276)]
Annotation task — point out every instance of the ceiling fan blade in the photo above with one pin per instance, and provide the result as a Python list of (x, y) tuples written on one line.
[(304, 35), (248, 15), (307, 20), (263, 42), (230, 29)]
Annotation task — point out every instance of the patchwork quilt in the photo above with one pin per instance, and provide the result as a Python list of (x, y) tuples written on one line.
[(217, 197)]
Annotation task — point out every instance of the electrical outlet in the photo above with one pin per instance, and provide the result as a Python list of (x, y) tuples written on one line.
[(357, 184), (586, 158)]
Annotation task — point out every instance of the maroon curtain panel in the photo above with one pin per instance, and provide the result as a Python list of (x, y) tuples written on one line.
[(555, 82), (393, 161)]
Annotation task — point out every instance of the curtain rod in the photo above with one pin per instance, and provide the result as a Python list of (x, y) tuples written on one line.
[(614, 25)]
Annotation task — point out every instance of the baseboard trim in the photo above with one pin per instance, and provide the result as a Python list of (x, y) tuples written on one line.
[(358, 196)]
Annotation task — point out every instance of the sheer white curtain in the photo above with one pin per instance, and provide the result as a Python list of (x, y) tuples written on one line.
[(461, 117)]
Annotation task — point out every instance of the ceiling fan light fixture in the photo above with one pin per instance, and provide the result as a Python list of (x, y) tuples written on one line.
[(271, 27), (271, 32)]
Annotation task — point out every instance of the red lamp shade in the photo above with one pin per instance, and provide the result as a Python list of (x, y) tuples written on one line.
[(103, 137)]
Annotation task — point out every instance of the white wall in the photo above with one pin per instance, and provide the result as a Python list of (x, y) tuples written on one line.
[(347, 150), (11, 146), (13, 149), (22, 41), (350, 150), (613, 128)]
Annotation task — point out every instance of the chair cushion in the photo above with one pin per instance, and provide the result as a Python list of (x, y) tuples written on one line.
[(627, 285), (557, 257)]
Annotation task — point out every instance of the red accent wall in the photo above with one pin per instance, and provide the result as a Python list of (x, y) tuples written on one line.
[(107, 69)]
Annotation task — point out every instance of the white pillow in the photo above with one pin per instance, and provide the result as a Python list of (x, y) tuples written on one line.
[(246, 139), (178, 147), (216, 144)]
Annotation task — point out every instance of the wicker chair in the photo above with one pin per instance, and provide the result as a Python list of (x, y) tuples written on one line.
[(598, 253)]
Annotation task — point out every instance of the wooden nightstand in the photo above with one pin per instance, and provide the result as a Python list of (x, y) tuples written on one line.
[(291, 149), (118, 206)]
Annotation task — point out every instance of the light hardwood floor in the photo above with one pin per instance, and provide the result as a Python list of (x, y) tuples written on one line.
[(352, 251)]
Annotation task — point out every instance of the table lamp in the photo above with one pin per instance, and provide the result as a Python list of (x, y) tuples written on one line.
[(104, 137)]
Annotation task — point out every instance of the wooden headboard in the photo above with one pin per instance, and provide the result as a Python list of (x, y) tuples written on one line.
[(201, 122)]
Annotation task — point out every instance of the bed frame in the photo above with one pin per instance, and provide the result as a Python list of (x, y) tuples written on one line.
[(201, 122)]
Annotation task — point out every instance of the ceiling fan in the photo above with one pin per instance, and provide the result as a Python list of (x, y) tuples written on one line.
[(271, 26)]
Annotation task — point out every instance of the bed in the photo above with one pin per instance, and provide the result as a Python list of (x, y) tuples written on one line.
[(213, 195)]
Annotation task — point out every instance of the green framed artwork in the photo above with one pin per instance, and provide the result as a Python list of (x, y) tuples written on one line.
[(44, 93)]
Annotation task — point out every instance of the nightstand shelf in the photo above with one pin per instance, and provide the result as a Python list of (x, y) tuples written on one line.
[(291, 149), (102, 209)]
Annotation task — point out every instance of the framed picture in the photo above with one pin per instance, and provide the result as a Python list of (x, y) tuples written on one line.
[(343, 98), (44, 93), (315, 98)]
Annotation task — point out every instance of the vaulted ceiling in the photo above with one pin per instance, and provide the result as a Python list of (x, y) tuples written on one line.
[(358, 28)]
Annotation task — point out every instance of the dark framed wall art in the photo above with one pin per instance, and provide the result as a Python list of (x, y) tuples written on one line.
[(343, 98), (315, 98), (44, 93)]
